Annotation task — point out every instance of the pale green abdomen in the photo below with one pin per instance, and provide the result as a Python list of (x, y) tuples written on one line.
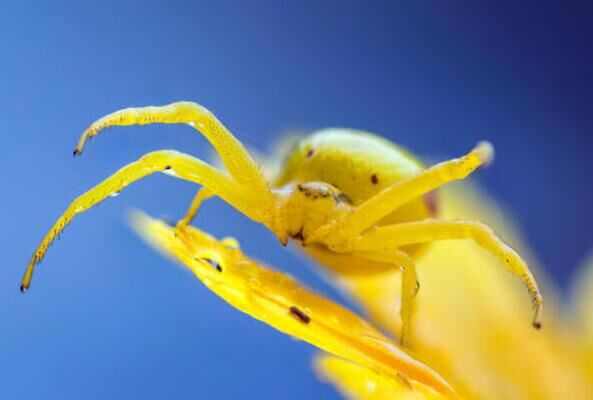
[(357, 163)]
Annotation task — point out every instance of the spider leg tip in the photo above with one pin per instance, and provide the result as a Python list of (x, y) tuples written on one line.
[(485, 151), (23, 288)]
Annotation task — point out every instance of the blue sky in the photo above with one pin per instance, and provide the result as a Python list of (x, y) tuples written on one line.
[(109, 318)]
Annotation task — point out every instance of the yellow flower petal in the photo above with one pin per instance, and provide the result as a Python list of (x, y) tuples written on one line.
[(583, 299), (281, 302), (356, 382)]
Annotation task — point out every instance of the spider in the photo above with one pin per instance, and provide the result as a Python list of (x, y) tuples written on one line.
[(354, 201)]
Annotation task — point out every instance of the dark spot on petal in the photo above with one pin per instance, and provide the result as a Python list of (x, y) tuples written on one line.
[(300, 315), (374, 179), (213, 263), (167, 167), (310, 153)]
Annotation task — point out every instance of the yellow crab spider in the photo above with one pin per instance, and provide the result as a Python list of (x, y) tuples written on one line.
[(356, 202), (280, 301)]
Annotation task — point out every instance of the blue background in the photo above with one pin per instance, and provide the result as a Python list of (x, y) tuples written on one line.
[(107, 317)]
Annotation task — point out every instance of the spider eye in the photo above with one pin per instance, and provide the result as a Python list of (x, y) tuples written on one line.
[(213, 264)]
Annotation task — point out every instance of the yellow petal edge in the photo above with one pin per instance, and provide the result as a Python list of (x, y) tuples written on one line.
[(281, 302)]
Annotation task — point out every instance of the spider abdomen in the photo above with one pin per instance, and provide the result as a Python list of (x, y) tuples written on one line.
[(357, 163)]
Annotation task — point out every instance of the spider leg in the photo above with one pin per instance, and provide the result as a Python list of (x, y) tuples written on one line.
[(173, 163), (400, 193), (394, 236), (409, 291), (232, 153), (409, 285), (202, 195)]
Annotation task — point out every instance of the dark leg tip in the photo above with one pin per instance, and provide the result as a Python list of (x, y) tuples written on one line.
[(537, 325), (23, 288), (76, 152)]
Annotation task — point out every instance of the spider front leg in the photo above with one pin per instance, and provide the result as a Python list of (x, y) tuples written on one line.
[(232, 153), (399, 194), (384, 238), (176, 164)]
